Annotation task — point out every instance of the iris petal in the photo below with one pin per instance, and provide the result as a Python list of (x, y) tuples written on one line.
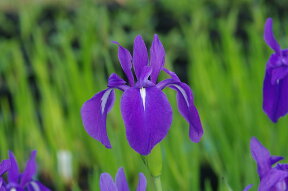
[(121, 181), (107, 183), (4, 166), (30, 169), (275, 97), (271, 179), (261, 155), (140, 55), (187, 108), (13, 172), (125, 59), (147, 116), (94, 114), (269, 36), (186, 105), (142, 183), (157, 58)]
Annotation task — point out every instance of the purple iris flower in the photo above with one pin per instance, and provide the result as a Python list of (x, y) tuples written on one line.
[(145, 109), (120, 184), (23, 181), (271, 178), (4, 166), (275, 91)]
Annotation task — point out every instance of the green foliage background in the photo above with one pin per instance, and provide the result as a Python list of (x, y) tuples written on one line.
[(52, 66)]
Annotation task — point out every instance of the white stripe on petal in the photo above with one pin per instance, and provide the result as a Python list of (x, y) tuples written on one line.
[(35, 186), (183, 93), (104, 99), (143, 96)]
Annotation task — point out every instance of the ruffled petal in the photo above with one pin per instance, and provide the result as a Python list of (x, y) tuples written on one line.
[(273, 179), (261, 155), (142, 183), (269, 36), (121, 181), (248, 187), (147, 116), (94, 114), (125, 60), (107, 183), (37, 186), (140, 55), (30, 169), (157, 58), (275, 96), (4, 166), (13, 172)]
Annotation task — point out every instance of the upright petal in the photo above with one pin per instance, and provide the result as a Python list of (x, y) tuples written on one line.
[(4, 166), (140, 55), (125, 60), (186, 105), (271, 179), (248, 187), (13, 172), (121, 181), (142, 183), (261, 155), (147, 116), (275, 96), (269, 36), (94, 113), (30, 169), (157, 58), (107, 183)]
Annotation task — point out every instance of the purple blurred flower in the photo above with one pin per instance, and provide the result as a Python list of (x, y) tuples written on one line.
[(275, 89), (120, 184), (23, 181), (4, 166), (271, 178), (145, 109)]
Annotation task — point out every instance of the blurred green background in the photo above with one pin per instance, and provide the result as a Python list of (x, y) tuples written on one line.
[(54, 55)]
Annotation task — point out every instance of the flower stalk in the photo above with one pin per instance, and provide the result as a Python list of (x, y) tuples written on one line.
[(153, 162)]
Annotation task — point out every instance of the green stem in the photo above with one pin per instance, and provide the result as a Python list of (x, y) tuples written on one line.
[(157, 183)]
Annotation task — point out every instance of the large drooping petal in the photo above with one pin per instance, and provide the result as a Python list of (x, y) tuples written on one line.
[(107, 183), (147, 116), (275, 96), (273, 180), (125, 59), (142, 183), (121, 181), (13, 172), (94, 113), (140, 56), (269, 36), (186, 105), (157, 58), (4, 166), (278, 74), (30, 169)]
